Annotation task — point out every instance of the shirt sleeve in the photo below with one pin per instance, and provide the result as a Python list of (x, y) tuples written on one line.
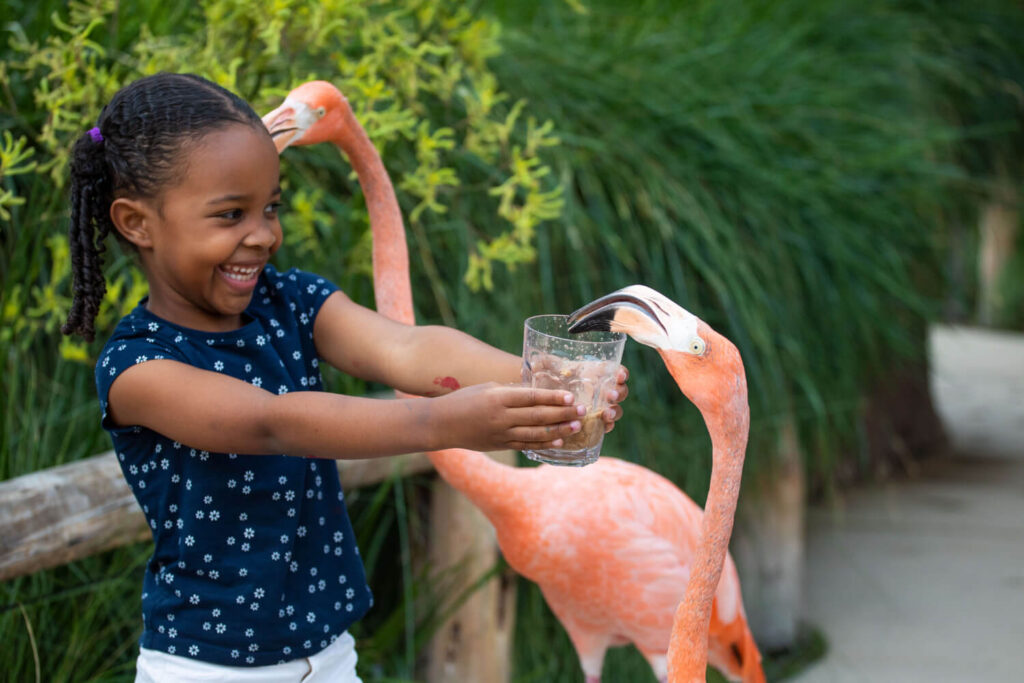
[(118, 355), (312, 290)]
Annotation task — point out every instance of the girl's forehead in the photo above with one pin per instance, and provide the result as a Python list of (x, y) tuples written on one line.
[(238, 156)]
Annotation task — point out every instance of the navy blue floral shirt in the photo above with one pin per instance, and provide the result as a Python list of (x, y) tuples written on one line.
[(255, 560)]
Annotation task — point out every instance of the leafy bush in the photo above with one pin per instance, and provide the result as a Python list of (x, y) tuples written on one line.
[(414, 72)]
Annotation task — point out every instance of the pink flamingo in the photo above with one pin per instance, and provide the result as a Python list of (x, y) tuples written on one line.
[(708, 369), (609, 544)]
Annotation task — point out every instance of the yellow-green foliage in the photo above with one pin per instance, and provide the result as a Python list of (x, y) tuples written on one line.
[(13, 161), (415, 72)]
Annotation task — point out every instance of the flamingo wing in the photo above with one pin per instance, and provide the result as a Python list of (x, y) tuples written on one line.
[(610, 546)]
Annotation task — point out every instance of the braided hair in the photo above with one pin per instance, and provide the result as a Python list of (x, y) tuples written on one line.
[(143, 136)]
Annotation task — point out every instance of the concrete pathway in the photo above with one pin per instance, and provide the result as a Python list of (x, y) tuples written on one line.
[(922, 580)]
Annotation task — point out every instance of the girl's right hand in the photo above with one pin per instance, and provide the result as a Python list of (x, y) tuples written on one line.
[(492, 416)]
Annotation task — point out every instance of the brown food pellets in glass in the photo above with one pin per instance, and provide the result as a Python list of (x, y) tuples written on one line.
[(591, 429)]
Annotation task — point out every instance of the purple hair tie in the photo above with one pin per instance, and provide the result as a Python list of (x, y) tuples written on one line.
[(95, 134)]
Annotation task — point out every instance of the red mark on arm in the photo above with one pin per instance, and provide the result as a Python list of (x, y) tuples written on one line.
[(449, 383)]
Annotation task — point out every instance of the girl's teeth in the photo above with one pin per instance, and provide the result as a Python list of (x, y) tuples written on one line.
[(240, 274)]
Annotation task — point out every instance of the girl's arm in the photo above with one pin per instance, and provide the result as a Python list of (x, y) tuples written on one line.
[(214, 412), (425, 360), (420, 360)]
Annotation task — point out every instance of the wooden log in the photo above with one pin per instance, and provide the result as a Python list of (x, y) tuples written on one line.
[(61, 514), (768, 545), (64, 513), (475, 644)]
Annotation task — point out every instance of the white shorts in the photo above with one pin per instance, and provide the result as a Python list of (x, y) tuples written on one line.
[(335, 663)]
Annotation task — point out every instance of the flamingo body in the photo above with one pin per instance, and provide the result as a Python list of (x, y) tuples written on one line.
[(610, 546)]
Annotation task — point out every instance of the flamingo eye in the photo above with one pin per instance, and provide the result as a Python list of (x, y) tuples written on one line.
[(321, 112), (696, 346)]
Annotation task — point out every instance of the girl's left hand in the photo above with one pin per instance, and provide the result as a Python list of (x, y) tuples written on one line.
[(615, 396)]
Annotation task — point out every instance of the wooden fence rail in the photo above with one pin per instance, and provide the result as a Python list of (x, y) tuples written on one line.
[(61, 514)]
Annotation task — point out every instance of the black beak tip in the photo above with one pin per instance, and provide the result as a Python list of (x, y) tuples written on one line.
[(281, 131), (596, 322)]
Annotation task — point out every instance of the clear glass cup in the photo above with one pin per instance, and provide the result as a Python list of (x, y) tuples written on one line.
[(585, 364)]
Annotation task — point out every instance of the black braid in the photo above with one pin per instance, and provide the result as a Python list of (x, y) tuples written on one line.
[(146, 130), (90, 193)]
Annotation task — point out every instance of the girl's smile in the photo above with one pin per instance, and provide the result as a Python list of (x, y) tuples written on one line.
[(240, 274), (208, 238)]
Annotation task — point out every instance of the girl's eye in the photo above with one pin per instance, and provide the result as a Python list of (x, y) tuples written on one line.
[(272, 209), (230, 215)]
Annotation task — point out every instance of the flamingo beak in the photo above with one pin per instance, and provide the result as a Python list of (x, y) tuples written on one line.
[(282, 126), (627, 310)]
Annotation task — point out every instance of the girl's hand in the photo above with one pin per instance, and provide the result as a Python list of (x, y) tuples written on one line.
[(491, 416), (615, 396)]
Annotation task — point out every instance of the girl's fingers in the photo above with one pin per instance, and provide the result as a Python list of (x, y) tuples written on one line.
[(542, 437), (545, 416), (619, 392), (610, 415), (535, 446), (519, 397)]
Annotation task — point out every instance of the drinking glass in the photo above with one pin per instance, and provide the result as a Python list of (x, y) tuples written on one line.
[(584, 364)]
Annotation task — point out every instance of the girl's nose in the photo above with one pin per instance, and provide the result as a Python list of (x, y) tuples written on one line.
[(266, 234)]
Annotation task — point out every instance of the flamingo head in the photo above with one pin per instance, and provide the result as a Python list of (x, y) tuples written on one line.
[(732, 650), (705, 365), (311, 113)]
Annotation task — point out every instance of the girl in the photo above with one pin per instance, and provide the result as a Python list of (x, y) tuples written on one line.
[(210, 390)]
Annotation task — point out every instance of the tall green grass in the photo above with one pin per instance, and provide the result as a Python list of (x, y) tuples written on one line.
[(777, 169)]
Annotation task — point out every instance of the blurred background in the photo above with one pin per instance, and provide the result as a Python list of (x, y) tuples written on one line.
[(830, 184)]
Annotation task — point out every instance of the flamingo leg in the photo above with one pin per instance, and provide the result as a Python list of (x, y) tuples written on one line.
[(591, 663), (590, 649), (659, 664)]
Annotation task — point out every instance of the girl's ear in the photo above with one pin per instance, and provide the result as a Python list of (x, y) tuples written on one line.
[(134, 219)]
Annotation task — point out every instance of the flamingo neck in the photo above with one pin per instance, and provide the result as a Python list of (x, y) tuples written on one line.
[(391, 285), (495, 489), (485, 482), (688, 647)]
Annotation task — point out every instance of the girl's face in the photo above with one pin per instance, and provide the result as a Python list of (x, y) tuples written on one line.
[(215, 231)]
